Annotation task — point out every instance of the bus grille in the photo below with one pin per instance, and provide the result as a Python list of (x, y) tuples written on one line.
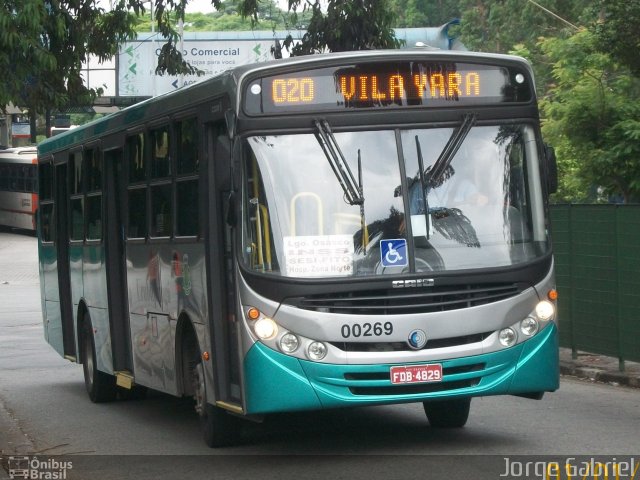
[(413, 389), (402, 346), (360, 376), (401, 301)]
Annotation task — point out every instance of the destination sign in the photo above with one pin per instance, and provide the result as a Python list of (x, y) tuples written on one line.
[(380, 85)]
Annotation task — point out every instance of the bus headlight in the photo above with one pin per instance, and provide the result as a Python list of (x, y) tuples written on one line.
[(529, 326), (316, 350), (545, 310), (265, 328), (508, 337), (289, 343)]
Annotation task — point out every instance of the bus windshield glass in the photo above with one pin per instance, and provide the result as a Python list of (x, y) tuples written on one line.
[(426, 206)]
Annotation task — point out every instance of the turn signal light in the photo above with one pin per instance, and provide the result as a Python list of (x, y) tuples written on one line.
[(552, 295), (253, 313)]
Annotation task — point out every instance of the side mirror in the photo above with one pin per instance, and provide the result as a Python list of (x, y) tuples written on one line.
[(552, 169)]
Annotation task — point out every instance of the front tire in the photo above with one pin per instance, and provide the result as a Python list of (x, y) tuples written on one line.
[(448, 413), (219, 428), (101, 386)]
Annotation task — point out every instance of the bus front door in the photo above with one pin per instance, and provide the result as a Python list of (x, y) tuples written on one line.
[(220, 270)]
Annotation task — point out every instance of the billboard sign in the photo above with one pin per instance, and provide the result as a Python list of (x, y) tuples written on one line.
[(137, 63)]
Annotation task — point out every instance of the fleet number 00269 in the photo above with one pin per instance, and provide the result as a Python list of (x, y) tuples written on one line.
[(357, 330)]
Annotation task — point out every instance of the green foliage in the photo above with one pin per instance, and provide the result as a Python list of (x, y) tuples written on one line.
[(618, 32), (584, 53), (424, 13), (43, 44), (499, 25), (228, 18), (592, 112), (346, 25)]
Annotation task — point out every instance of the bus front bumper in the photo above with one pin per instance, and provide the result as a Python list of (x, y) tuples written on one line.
[(275, 382)]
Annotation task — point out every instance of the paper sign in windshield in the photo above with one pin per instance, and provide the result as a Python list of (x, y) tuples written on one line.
[(318, 255)]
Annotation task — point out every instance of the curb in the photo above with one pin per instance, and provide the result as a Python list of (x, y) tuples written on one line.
[(600, 375), (13, 441)]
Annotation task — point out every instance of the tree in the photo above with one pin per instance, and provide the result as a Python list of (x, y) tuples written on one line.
[(592, 114), (618, 33), (346, 25), (516, 26), (43, 44), (425, 13)]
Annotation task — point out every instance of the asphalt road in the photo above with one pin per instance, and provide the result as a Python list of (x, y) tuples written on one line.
[(44, 410)]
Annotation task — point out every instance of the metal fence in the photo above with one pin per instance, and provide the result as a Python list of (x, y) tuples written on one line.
[(597, 254)]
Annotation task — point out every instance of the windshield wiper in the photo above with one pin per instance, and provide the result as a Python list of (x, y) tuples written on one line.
[(449, 151), (425, 202), (352, 190)]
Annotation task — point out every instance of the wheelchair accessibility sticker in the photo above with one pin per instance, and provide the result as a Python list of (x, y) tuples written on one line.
[(393, 253)]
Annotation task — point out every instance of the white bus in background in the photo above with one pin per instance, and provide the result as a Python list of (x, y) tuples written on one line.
[(58, 130), (18, 187)]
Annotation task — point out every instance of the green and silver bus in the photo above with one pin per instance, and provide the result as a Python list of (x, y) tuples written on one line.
[(327, 231)]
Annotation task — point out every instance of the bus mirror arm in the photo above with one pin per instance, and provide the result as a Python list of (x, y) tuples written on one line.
[(230, 120), (230, 214)]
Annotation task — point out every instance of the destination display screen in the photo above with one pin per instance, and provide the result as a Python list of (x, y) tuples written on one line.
[(388, 85)]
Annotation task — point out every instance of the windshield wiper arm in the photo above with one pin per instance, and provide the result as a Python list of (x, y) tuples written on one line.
[(352, 190), (425, 201), (450, 149)]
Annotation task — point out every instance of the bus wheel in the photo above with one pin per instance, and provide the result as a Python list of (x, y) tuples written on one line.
[(219, 428), (448, 413), (101, 386)]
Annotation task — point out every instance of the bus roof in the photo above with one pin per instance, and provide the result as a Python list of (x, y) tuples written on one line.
[(230, 81)]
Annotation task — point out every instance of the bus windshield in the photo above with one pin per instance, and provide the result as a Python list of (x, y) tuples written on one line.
[(424, 209)]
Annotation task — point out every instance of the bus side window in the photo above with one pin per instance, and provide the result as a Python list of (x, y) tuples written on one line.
[(161, 187), (161, 217), (14, 178), (187, 167), (137, 227), (136, 158), (187, 161), (47, 222), (76, 193), (4, 177), (30, 183), (187, 218), (93, 210), (160, 152)]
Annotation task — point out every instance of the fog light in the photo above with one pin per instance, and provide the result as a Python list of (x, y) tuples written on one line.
[(545, 310), (529, 326), (317, 351), (508, 337), (289, 343), (265, 328)]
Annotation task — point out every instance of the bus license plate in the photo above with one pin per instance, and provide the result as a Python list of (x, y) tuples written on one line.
[(416, 373)]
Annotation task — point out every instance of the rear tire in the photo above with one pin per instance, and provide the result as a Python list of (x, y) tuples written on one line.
[(101, 386), (219, 428), (448, 413)]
